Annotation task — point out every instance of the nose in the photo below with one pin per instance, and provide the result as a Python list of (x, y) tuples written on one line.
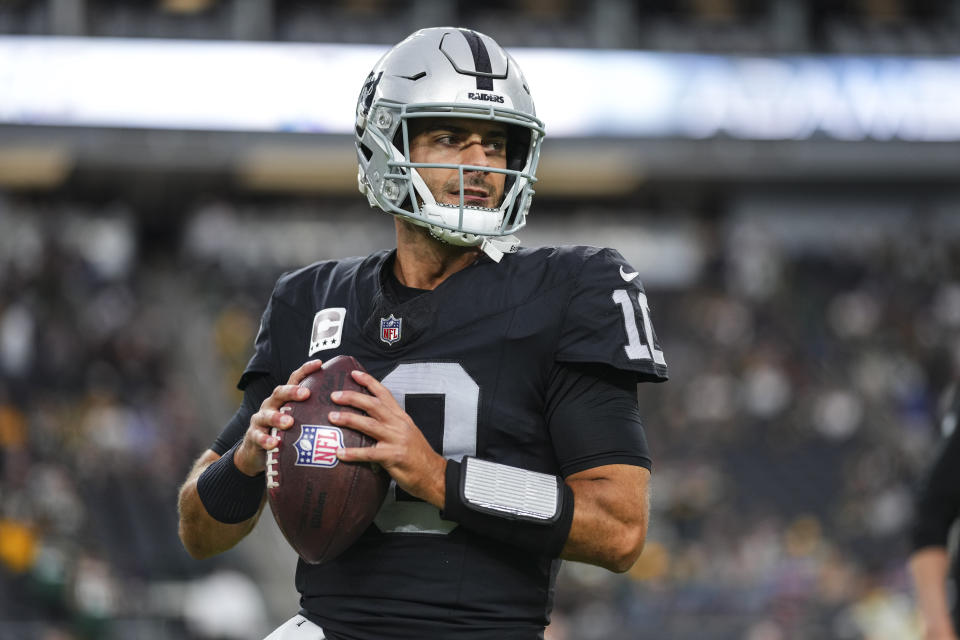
[(474, 153)]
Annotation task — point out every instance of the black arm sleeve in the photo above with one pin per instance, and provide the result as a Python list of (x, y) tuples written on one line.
[(255, 391), (594, 417), (938, 500)]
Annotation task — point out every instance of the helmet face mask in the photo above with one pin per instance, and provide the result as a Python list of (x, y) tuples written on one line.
[(446, 73)]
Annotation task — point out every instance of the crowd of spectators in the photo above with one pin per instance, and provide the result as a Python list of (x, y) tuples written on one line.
[(98, 424), (786, 445), (891, 27)]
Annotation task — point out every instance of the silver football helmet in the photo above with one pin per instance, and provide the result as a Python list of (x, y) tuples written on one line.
[(444, 72)]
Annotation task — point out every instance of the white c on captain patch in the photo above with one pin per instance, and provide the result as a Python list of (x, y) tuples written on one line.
[(327, 329)]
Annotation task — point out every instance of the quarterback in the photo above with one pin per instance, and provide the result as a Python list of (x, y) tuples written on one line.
[(502, 379)]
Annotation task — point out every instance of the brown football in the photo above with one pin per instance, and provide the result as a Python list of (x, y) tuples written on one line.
[(322, 504)]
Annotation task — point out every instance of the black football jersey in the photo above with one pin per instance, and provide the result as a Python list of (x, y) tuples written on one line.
[(937, 501), (470, 362)]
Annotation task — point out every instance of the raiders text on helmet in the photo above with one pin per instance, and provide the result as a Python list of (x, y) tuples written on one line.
[(447, 72)]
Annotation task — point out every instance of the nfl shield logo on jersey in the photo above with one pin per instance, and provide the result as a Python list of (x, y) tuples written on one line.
[(317, 446), (390, 329)]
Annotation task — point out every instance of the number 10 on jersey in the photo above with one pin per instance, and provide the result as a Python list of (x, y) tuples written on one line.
[(635, 348)]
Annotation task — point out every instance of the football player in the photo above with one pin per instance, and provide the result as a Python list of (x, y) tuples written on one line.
[(933, 564), (502, 380)]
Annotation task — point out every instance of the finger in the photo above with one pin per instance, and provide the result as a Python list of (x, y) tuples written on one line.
[(285, 393), (364, 424), (305, 369), (255, 440), (359, 454), (267, 418), (356, 399), (373, 385), (265, 440)]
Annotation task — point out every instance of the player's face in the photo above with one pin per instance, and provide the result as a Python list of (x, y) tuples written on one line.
[(461, 141)]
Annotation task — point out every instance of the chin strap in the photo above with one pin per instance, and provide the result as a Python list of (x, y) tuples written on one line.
[(496, 246)]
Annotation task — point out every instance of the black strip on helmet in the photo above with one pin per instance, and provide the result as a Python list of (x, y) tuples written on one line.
[(481, 59)]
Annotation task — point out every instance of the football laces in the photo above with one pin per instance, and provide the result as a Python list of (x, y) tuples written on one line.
[(272, 457)]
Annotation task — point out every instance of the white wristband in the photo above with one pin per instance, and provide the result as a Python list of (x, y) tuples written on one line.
[(510, 491)]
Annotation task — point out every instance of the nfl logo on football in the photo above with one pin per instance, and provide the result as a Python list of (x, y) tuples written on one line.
[(390, 329), (317, 446)]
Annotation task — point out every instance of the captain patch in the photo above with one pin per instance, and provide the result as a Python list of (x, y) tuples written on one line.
[(327, 329)]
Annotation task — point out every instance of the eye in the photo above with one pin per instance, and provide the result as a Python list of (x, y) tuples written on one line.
[(496, 146)]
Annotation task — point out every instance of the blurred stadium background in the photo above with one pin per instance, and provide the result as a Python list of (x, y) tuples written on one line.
[(782, 173)]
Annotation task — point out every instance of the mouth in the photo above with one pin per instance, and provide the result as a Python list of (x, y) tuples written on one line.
[(472, 196)]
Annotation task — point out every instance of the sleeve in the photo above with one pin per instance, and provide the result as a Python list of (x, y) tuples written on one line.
[(594, 418), (256, 391), (608, 320), (264, 359), (937, 504), (257, 381)]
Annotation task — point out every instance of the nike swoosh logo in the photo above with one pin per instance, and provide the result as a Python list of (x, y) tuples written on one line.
[(627, 277)]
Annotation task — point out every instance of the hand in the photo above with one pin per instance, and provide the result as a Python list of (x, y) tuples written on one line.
[(251, 455), (401, 448)]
